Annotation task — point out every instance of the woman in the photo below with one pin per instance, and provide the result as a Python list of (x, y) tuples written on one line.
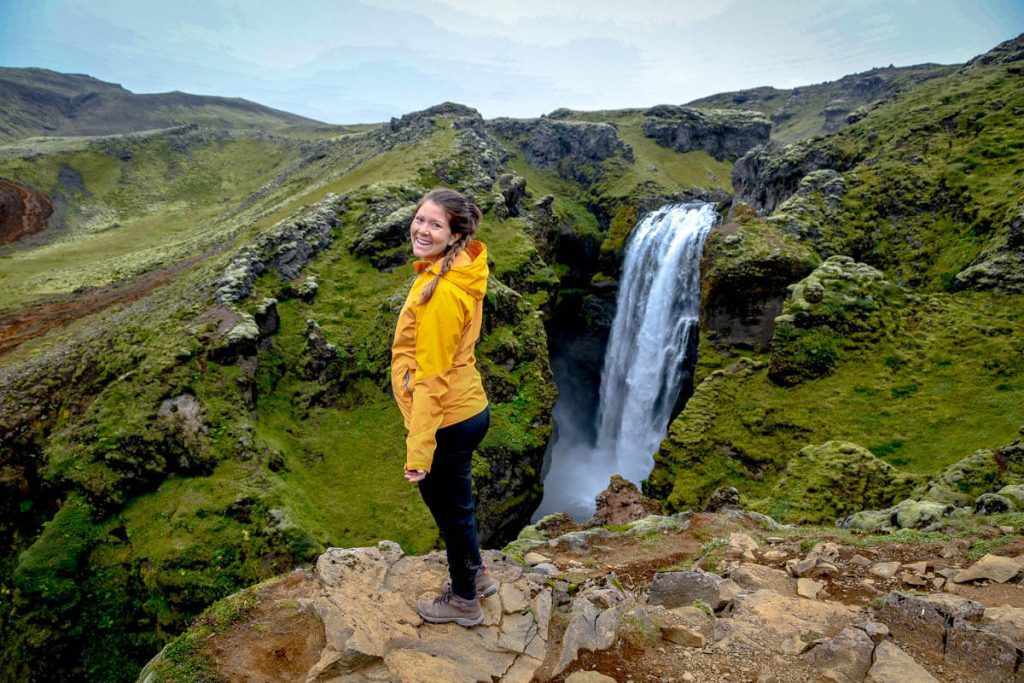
[(438, 388)]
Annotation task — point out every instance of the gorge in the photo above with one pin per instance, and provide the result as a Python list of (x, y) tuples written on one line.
[(210, 408)]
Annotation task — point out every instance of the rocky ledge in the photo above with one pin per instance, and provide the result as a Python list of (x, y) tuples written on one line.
[(691, 597)]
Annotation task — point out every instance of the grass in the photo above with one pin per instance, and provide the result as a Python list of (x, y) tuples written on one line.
[(921, 414), (155, 208)]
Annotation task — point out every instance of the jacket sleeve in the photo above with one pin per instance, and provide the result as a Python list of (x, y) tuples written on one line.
[(439, 326)]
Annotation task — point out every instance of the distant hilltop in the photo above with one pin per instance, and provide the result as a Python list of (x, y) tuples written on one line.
[(36, 102)]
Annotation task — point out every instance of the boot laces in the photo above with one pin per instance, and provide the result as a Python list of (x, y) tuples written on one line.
[(446, 595)]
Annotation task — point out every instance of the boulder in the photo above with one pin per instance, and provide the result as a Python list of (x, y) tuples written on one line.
[(753, 577), (682, 589), (893, 665), (846, 657), (621, 503), (991, 568), (953, 626)]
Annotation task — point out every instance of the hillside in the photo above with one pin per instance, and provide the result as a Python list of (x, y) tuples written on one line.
[(195, 342), (801, 113), (39, 102)]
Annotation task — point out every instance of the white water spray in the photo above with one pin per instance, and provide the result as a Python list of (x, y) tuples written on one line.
[(655, 317)]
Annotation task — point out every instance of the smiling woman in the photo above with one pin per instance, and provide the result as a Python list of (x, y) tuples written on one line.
[(440, 393)]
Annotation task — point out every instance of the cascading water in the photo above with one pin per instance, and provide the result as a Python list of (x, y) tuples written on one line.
[(655, 318)]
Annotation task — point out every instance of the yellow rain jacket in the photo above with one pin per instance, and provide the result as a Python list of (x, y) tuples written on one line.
[(433, 365)]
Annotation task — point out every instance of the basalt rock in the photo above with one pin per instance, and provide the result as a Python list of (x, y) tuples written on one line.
[(286, 248), (768, 175), (747, 267), (574, 148), (622, 503), (722, 133)]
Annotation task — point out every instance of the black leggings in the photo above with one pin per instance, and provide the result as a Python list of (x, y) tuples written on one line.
[(448, 492)]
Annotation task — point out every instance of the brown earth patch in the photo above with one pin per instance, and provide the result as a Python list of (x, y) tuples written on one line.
[(35, 321), (23, 211), (280, 641)]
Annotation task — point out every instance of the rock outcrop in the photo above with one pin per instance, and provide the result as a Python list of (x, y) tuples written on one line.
[(722, 133), (574, 148), (768, 175), (350, 617), (837, 478), (286, 248), (828, 311)]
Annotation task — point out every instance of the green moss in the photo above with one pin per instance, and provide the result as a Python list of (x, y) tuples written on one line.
[(837, 478), (740, 428)]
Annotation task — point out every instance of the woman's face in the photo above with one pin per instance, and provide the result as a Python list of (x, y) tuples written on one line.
[(430, 232)]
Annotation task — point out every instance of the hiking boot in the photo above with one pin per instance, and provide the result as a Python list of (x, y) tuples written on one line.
[(485, 585), (450, 607)]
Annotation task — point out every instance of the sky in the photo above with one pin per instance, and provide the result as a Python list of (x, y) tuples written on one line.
[(349, 61)]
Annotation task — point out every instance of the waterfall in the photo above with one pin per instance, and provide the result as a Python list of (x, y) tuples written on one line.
[(655, 320)]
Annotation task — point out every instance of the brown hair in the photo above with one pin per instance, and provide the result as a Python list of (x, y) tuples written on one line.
[(463, 219)]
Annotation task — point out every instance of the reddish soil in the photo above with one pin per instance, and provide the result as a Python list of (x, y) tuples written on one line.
[(29, 323), (274, 640), (23, 211)]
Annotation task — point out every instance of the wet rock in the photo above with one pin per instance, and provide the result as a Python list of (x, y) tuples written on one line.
[(844, 657), (682, 589), (991, 568), (621, 503), (893, 665)]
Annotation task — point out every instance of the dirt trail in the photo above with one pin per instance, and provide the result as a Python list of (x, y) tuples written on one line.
[(23, 211), (19, 327)]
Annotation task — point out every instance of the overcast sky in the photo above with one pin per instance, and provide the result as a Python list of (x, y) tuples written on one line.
[(347, 61)]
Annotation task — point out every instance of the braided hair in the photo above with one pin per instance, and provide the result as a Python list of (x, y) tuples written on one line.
[(463, 219)]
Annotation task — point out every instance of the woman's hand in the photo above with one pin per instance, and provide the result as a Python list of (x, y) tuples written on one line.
[(415, 475)]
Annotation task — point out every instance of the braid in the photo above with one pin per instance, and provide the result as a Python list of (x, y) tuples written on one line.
[(446, 264)]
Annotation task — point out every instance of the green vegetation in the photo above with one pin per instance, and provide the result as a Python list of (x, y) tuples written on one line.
[(740, 428)]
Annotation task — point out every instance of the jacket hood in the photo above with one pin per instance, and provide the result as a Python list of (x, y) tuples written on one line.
[(469, 272)]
